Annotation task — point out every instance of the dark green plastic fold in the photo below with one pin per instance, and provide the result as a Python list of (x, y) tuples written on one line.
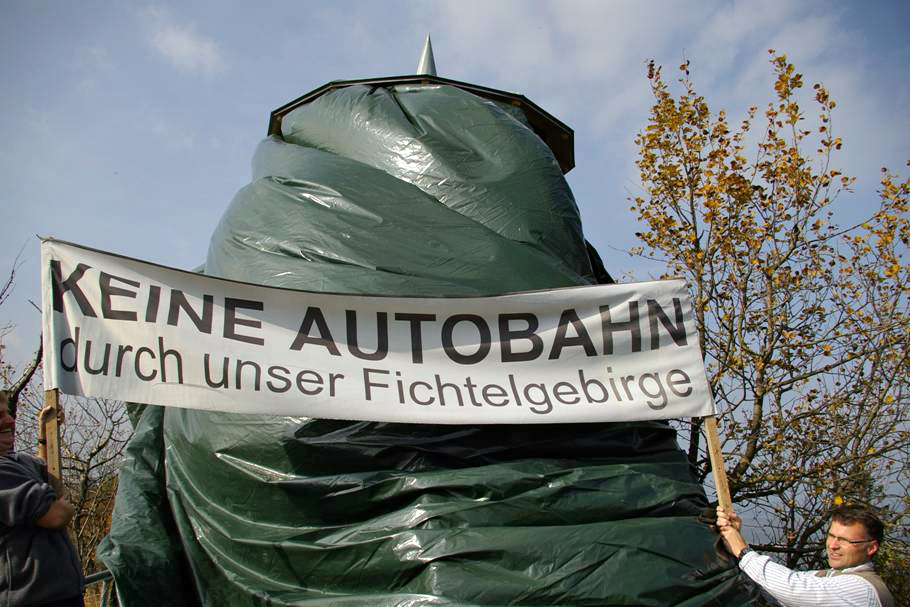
[(417, 190)]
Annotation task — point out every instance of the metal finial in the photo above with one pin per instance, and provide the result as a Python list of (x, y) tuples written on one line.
[(427, 65)]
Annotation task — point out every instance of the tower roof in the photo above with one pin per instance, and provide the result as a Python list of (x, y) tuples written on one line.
[(558, 136)]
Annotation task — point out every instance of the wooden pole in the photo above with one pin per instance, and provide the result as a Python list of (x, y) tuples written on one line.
[(52, 430), (717, 464)]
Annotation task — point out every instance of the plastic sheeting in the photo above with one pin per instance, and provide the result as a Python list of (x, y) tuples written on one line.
[(407, 191)]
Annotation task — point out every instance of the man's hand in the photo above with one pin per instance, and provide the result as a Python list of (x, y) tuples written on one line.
[(45, 414), (728, 519), (729, 524), (57, 516)]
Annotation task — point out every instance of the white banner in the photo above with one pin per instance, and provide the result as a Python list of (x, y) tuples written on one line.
[(129, 330)]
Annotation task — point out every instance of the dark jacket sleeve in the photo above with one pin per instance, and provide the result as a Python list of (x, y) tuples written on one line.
[(24, 495)]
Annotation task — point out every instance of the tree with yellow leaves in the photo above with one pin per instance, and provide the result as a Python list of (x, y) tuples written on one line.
[(804, 324)]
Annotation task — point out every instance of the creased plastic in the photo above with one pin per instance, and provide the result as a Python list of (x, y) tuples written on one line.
[(408, 191)]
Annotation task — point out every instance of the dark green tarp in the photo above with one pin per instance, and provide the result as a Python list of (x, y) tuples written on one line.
[(424, 191)]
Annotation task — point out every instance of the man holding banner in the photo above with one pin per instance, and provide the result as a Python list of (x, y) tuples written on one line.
[(40, 567), (852, 541)]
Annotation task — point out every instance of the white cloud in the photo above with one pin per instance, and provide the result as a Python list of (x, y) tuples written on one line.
[(181, 45)]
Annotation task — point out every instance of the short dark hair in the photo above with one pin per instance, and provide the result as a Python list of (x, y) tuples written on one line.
[(847, 515)]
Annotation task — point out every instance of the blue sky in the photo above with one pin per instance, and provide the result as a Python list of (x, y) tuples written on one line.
[(129, 126)]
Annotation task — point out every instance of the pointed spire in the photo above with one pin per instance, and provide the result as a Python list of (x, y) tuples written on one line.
[(427, 65)]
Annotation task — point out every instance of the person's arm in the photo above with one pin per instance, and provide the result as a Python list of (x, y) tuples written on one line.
[(804, 589), (27, 499)]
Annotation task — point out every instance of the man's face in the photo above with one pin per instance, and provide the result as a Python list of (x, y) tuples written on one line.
[(841, 552), (7, 428)]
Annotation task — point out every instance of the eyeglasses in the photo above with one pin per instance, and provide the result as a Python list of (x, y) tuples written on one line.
[(846, 541)]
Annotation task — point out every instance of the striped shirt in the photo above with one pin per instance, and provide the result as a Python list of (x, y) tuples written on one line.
[(804, 589)]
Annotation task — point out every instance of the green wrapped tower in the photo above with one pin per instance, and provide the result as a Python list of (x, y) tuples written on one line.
[(409, 186)]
